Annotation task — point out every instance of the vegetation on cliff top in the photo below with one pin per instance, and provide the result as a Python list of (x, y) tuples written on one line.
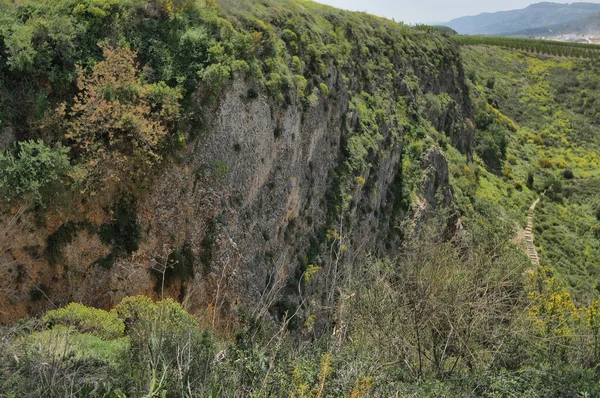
[(125, 85), (123, 82)]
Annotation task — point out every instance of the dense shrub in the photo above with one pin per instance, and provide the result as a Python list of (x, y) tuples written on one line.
[(530, 180), (491, 146), (553, 188), (568, 174), (117, 122), (103, 324), (545, 163), (170, 351), (29, 169)]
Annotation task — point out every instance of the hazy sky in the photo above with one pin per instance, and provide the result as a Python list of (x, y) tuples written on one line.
[(427, 11)]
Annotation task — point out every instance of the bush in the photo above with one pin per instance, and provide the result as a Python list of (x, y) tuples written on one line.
[(194, 44), (553, 187), (21, 52), (28, 171), (215, 77), (60, 361), (545, 163), (138, 312), (167, 339), (118, 122), (491, 146), (568, 174), (530, 180), (483, 118), (103, 324), (430, 329)]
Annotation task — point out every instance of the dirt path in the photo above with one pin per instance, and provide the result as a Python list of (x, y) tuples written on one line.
[(531, 250)]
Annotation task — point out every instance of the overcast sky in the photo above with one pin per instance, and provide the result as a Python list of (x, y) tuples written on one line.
[(428, 11)]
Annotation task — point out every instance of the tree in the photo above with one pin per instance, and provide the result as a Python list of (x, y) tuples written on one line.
[(530, 180), (444, 304), (26, 172), (118, 122)]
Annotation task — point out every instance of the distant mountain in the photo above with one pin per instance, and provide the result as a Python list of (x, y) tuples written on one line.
[(582, 30), (537, 15)]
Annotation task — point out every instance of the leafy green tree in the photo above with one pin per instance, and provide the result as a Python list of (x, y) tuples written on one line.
[(32, 167), (491, 146)]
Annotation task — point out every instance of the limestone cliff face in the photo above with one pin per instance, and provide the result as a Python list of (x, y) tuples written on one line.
[(235, 221)]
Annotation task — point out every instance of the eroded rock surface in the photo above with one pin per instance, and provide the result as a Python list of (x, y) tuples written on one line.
[(248, 203)]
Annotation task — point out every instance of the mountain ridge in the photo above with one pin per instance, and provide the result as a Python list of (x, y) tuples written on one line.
[(581, 30), (536, 15)]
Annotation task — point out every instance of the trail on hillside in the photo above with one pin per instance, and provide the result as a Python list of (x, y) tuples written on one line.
[(531, 250)]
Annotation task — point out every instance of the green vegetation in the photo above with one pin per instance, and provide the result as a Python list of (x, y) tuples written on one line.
[(29, 171), (101, 92), (117, 121), (544, 108), (127, 84), (83, 319), (123, 83), (448, 317)]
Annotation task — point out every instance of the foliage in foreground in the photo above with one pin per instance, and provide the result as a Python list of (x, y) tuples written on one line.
[(443, 319)]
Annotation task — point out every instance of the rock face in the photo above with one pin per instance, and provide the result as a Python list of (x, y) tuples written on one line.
[(7, 136), (244, 211), (435, 185)]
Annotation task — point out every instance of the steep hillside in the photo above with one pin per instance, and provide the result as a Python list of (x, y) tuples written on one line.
[(553, 150), (534, 16), (254, 133)]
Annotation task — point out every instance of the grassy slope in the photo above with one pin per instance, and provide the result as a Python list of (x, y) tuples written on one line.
[(553, 103)]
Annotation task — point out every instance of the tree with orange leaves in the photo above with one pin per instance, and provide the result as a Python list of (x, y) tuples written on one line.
[(118, 122)]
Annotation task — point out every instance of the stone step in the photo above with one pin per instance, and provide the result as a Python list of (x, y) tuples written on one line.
[(530, 247)]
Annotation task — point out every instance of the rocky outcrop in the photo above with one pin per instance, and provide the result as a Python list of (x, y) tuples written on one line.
[(435, 193), (435, 185)]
